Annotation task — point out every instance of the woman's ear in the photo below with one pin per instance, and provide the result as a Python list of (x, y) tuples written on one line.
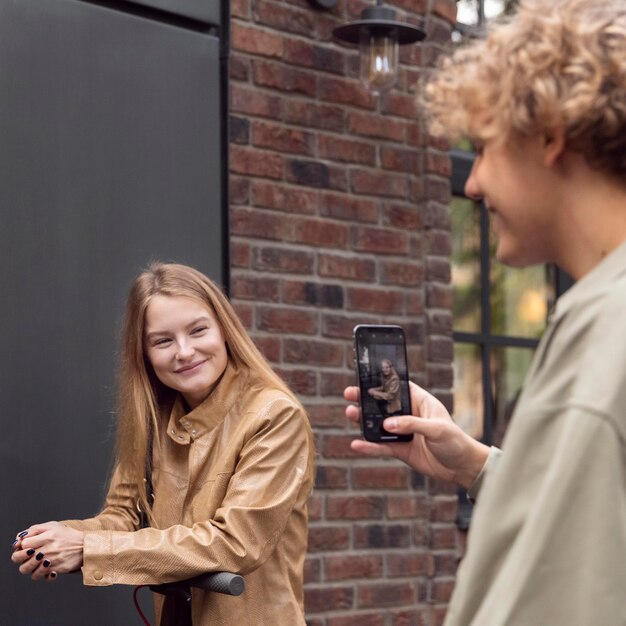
[(553, 146)]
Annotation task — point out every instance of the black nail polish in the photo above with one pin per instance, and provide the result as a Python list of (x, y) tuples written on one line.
[(14, 542), (46, 563), (53, 575), (23, 534), (30, 552), (39, 556)]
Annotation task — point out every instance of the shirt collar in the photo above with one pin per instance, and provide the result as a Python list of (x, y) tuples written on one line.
[(183, 427), (594, 283)]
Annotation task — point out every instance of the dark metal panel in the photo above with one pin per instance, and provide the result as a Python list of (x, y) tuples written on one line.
[(111, 156), (207, 11)]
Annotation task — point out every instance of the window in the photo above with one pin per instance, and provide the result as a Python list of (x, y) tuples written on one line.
[(499, 315)]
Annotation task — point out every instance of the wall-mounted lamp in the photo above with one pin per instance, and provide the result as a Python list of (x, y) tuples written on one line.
[(379, 36)]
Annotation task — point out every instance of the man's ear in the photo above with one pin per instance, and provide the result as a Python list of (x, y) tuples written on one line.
[(553, 146)]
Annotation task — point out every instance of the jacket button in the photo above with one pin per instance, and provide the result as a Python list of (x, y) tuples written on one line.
[(98, 575)]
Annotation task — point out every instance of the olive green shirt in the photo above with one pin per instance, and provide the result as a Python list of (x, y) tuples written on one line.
[(547, 546)]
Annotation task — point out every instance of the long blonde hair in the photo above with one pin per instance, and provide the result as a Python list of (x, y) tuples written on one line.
[(141, 394)]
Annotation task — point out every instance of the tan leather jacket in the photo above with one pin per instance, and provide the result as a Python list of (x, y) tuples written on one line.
[(231, 483)]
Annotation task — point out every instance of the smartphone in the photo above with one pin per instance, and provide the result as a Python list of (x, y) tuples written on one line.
[(383, 378)]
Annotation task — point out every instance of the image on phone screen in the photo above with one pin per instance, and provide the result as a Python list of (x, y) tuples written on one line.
[(382, 371)]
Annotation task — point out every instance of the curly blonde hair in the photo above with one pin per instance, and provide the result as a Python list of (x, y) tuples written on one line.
[(554, 64)]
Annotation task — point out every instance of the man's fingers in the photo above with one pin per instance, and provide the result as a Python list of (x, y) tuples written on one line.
[(351, 394), (406, 424), (370, 449), (353, 413)]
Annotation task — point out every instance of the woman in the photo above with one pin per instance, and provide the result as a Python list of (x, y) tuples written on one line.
[(388, 394), (229, 452)]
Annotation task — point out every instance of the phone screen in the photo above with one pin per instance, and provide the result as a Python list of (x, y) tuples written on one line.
[(383, 378)]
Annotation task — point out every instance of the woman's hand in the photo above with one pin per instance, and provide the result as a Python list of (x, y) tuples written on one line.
[(439, 448), (48, 548)]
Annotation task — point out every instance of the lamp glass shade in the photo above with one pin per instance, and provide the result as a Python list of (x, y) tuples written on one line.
[(379, 52)]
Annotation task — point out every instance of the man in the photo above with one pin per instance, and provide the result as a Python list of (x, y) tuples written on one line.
[(544, 100)]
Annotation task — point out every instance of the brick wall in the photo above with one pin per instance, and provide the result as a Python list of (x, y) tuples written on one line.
[(339, 216)]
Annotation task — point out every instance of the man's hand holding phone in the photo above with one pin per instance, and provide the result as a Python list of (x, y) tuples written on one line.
[(439, 448)]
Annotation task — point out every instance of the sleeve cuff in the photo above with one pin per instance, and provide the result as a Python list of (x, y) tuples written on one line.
[(490, 463)]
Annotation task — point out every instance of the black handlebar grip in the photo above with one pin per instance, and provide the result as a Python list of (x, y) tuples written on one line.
[(220, 582)]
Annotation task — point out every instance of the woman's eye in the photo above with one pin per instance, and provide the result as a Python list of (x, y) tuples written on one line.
[(159, 343), (198, 330)]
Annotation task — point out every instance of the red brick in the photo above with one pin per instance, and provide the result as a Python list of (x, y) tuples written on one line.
[(269, 347), (401, 104), (401, 160), (438, 269), (283, 17), (408, 564), (256, 41), (239, 189), (333, 384), (313, 293), (346, 267), (375, 125), (438, 164), (439, 322), (306, 351), (321, 233), (441, 590), (284, 320), (313, 115), (393, 477), (239, 67), (259, 224), (355, 507), (251, 162), (328, 598), (438, 190), (346, 92), (300, 381), (312, 570), (331, 477), (255, 287), (401, 273), (338, 446), (439, 296), (386, 594), (281, 197), (282, 260), (377, 183), (239, 254), (347, 150), (282, 139), (439, 242), (240, 8), (382, 536), (375, 300), (403, 216), (299, 52), (380, 240), (440, 349), (357, 566), (354, 618), (446, 9), (284, 78), (341, 326), (326, 538), (346, 207), (327, 415), (406, 506), (244, 99), (244, 313), (443, 538)]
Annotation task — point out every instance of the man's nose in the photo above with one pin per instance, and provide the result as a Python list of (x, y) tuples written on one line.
[(472, 189)]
